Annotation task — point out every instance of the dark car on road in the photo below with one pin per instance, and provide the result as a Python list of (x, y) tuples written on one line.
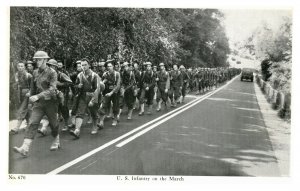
[(247, 73)]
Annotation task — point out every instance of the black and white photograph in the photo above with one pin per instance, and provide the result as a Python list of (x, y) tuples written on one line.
[(147, 93)]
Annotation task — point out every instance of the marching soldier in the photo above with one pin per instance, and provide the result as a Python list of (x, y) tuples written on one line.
[(190, 82), (111, 93), (127, 88), (87, 83), (163, 86), (101, 70), (74, 93), (185, 79), (60, 68), (137, 90), (176, 83), (199, 81), (206, 79), (63, 85), (147, 84), (23, 81), (44, 99), (29, 67), (155, 87)]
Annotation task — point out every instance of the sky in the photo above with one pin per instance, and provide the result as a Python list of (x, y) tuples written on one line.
[(239, 23)]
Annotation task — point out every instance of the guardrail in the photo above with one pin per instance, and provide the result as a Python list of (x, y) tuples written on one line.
[(280, 101)]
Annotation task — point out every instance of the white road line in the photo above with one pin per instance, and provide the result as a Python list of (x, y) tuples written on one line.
[(92, 152), (71, 163), (169, 117)]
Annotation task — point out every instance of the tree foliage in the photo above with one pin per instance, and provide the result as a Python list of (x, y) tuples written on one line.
[(274, 48), (193, 37)]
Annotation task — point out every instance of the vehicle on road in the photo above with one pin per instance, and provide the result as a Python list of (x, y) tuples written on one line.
[(247, 73)]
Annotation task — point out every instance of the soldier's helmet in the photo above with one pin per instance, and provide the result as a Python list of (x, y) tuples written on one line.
[(125, 64), (161, 64), (182, 67), (52, 62), (41, 54), (148, 63)]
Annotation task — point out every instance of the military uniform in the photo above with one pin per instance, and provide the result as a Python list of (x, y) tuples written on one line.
[(147, 80), (163, 83), (43, 93), (138, 77), (185, 79), (23, 82), (63, 85), (88, 92), (44, 86), (112, 83), (127, 85), (176, 83)]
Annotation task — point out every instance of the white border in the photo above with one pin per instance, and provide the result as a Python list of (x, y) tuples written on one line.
[(109, 182)]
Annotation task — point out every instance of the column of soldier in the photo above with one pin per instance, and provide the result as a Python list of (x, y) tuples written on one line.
[(100, 91)]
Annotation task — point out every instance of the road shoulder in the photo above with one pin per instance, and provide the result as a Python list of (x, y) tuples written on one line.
[(279, 132)]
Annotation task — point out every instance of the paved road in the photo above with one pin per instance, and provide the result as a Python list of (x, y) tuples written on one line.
[(218, 135)]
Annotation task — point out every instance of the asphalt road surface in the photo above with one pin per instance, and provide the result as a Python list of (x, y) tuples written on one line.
[(221, 133)]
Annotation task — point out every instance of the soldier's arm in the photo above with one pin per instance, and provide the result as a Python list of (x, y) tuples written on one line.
[(96, 84), (66, 82), (48, 93)]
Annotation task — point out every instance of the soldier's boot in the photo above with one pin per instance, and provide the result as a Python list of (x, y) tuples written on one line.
[(76, 131), (198, 92), (182, 99), (142, 109), (43, 129), (158, 106), (55, 144), (136, 105), (115, 121), (129, 116), (118, 116), (111, 115), (95, 127), (90, 120), (149, 112), (72, 125), (24, 149), (179, 100), (101, 122), (65, 127), (15, 130), (171, 102)]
